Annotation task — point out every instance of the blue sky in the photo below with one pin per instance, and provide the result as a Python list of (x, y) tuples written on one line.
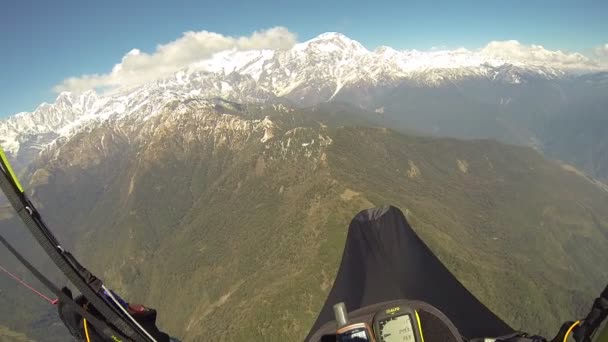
[(45, 42)]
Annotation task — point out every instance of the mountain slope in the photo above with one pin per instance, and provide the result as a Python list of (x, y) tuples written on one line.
[(10, 336), (319, 70), (458, 93), (578, 130), (231, 219), (230, 183)]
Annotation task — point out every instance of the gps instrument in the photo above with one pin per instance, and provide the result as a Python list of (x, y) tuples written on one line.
[(393, 321), (398, 324)]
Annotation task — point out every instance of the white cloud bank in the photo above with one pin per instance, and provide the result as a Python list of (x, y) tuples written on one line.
[(515, 52), (139, 67), (602, 52)]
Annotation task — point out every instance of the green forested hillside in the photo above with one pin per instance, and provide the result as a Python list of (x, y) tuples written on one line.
[(236, 239)]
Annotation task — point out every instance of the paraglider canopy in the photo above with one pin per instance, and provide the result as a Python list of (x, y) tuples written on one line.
[(384, 260)]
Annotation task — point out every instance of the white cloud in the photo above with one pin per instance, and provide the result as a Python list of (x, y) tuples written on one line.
[(601, 52), (514, 51), (137, 67)]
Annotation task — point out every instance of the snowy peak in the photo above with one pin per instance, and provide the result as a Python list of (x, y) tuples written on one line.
[(332, 42), (321, 69), (47, 120), (386, 51), (229, 61)]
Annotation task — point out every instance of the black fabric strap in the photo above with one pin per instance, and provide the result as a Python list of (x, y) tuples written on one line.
[(30, 216), (598, 313)]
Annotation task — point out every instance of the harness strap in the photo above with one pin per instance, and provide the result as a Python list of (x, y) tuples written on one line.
[(85, 282), (63, 298)]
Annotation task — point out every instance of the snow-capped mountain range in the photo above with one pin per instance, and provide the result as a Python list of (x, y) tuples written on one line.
[(312, 72)]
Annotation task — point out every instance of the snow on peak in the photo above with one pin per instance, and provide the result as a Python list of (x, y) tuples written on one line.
[(331, 35), (386, 51), (248, 62), (332, 42), (309, 73), (46, 121)]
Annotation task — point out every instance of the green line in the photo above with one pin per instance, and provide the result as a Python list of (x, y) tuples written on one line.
[(8, 167)]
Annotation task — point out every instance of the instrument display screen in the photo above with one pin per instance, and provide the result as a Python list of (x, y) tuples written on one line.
[(396, 329)]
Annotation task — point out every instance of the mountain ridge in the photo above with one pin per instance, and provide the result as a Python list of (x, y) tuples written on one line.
[(311, 72), (295, 194), (150, 208)]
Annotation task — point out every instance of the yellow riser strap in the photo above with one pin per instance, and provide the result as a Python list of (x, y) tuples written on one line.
[(9, 169)]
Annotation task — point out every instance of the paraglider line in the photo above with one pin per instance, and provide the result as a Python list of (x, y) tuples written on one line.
[(22, 282)]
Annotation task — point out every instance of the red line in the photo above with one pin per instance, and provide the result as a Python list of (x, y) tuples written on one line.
[(28, 286)]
